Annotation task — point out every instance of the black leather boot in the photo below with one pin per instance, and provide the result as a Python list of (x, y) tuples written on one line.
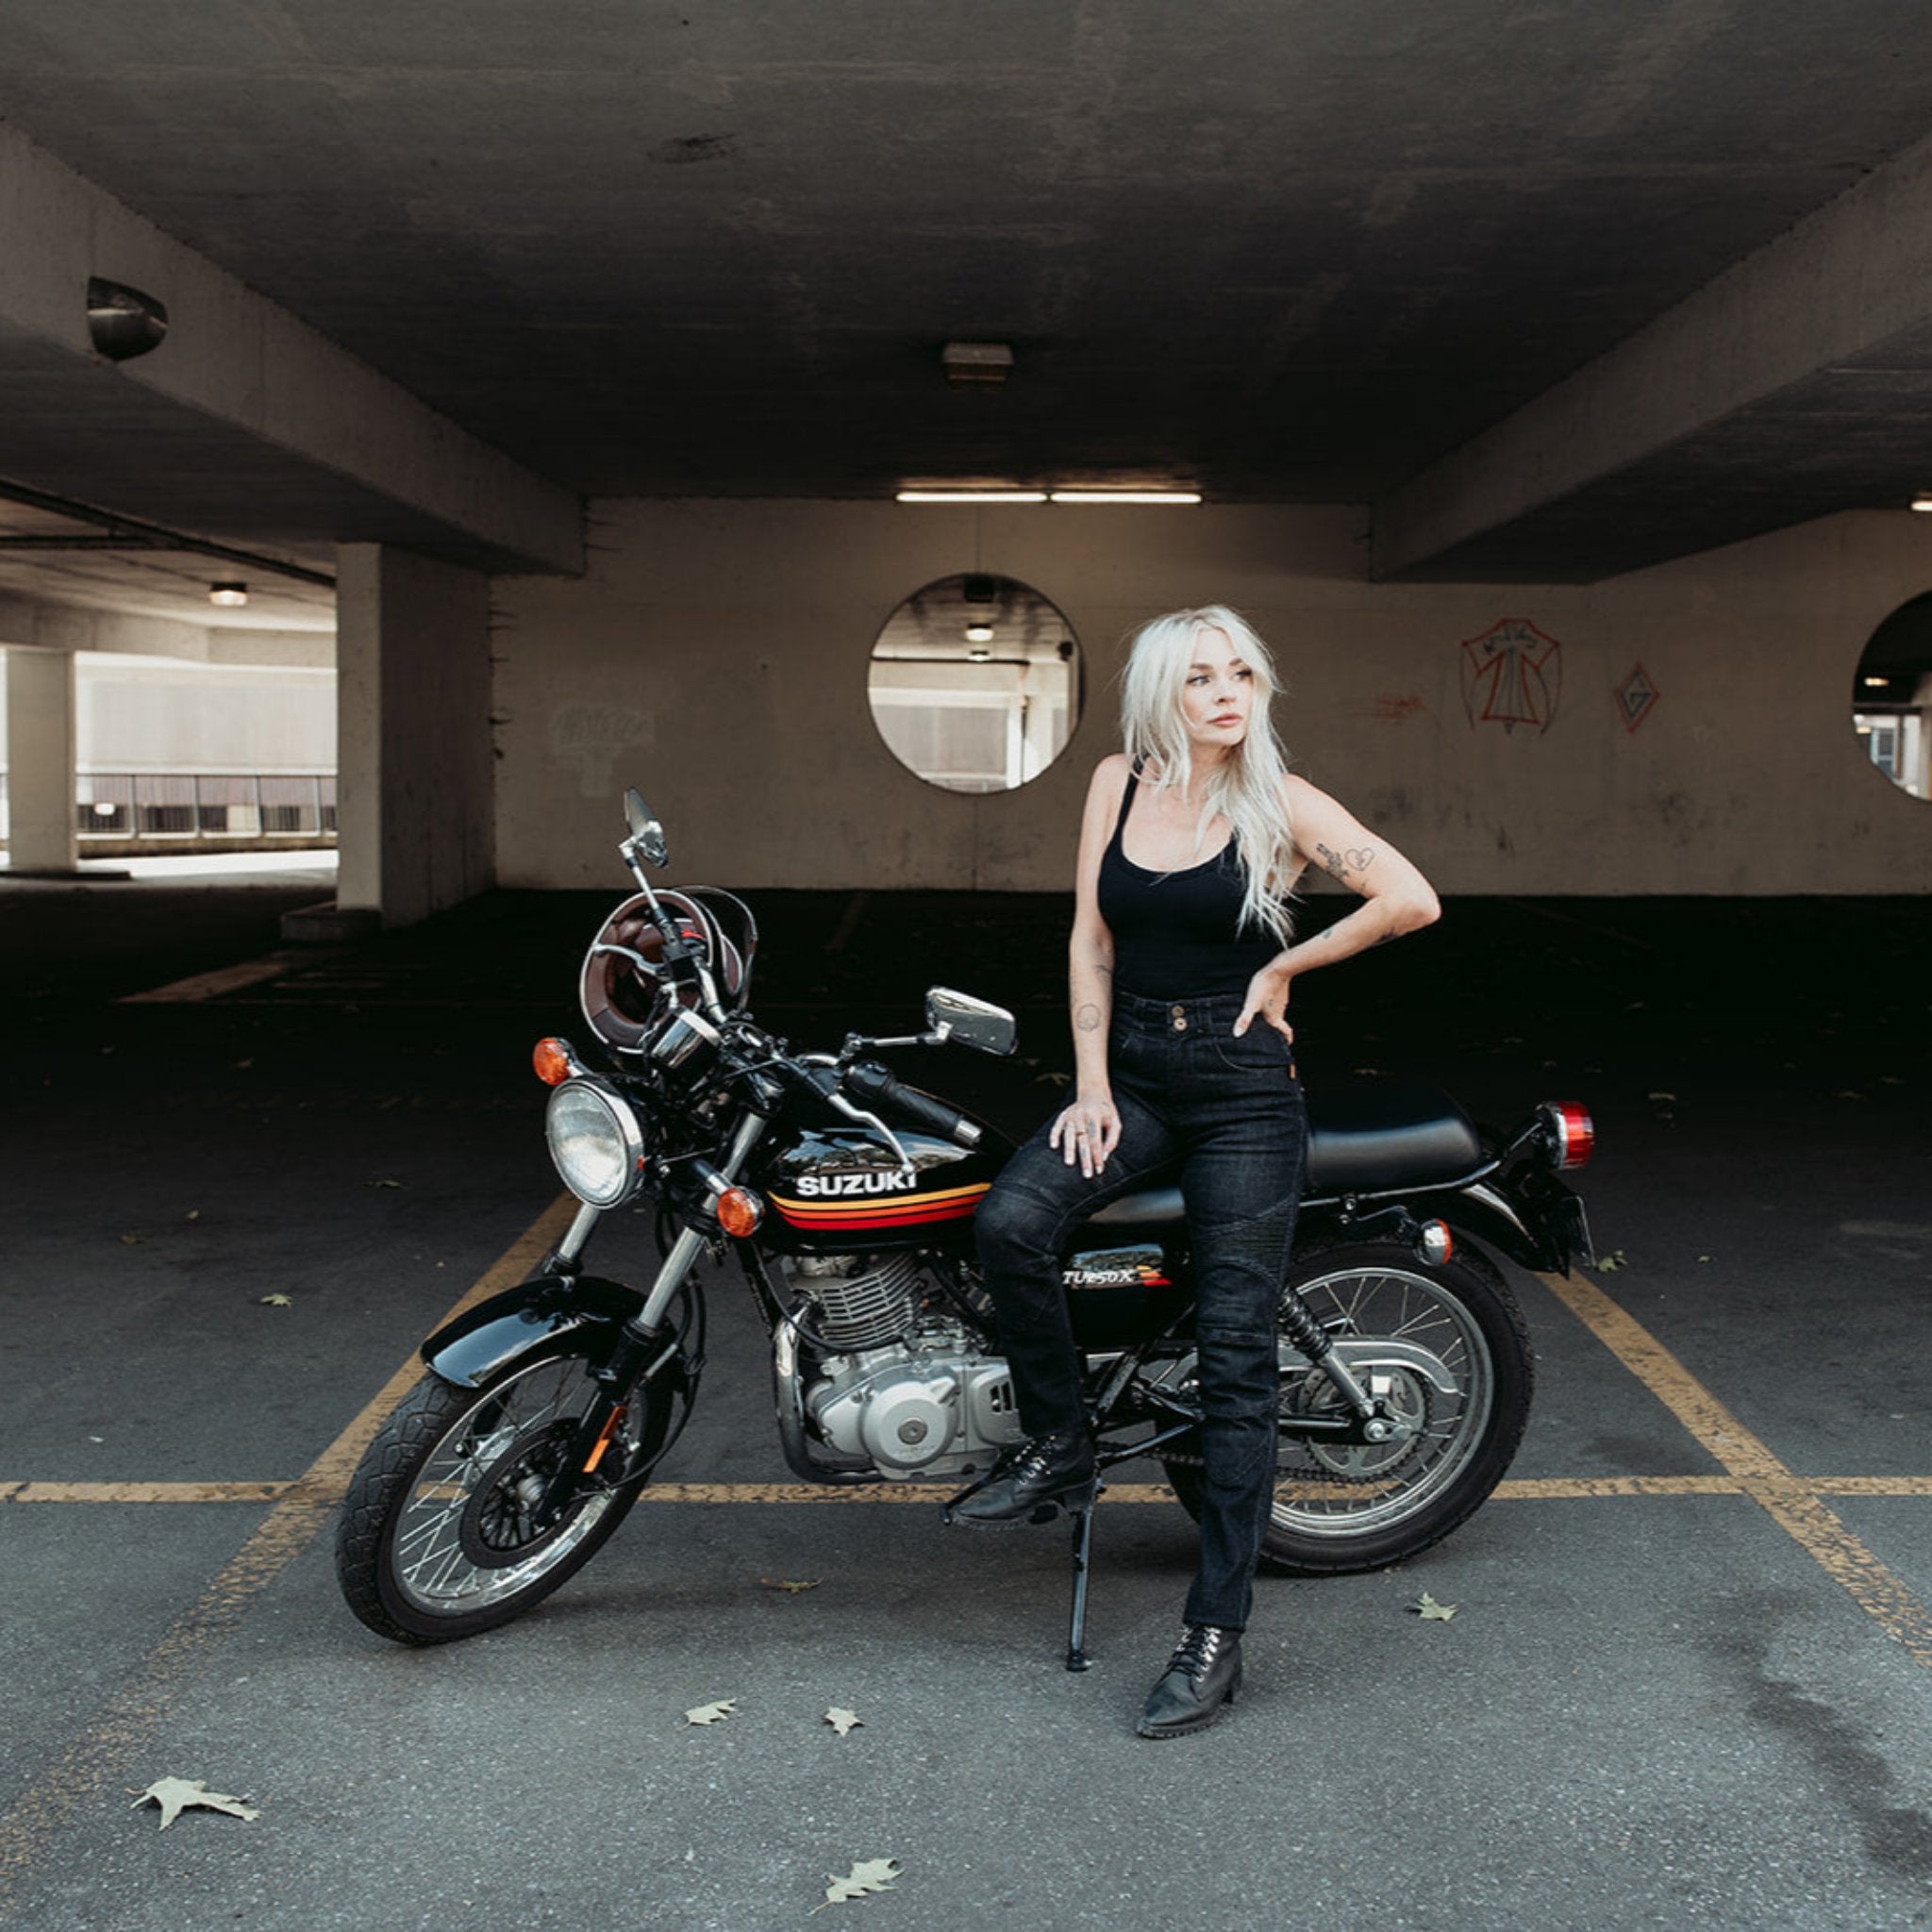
[(1057, 1469), (1198, 1685)]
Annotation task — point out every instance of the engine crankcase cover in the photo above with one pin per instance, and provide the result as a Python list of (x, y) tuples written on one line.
[(908, 1413)]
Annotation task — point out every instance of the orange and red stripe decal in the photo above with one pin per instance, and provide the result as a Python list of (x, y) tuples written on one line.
[(892, 1210)]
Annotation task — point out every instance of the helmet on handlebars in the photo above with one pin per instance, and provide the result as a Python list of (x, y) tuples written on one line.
[(623, 980)]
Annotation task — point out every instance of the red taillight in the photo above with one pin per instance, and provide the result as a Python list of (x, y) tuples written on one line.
[(551, 1058), (1435, 1243), (1576, 1133)]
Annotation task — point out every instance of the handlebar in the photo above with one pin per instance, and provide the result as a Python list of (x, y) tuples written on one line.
[(877, 1086)]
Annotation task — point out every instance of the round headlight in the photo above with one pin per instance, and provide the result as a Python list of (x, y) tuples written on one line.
[(595, 1142)]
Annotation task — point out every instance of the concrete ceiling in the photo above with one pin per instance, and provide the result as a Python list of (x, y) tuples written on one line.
[(1279, 249)]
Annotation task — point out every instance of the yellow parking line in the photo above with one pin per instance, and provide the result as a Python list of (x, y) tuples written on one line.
[(1535, 1488), (143, 1493), (1785, 1497), (208, 985), (122, 1725)]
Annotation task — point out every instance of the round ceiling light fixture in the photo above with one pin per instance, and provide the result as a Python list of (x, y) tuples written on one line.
[(229, 595)]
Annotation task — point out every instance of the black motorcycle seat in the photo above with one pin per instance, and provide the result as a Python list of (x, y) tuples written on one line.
[(1363, 1140)]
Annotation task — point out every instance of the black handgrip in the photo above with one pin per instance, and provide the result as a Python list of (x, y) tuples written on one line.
[(867, 1081)]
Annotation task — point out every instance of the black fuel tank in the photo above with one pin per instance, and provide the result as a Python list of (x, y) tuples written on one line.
[(836, 1191)]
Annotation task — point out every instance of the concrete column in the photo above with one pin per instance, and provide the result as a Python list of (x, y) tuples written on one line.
[(39, 761), (416, 810)]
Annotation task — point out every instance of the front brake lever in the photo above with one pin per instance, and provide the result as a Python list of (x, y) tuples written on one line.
[(870, 1119)]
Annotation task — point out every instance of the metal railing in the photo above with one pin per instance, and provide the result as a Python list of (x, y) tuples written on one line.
[(157, 805), (178, 807)]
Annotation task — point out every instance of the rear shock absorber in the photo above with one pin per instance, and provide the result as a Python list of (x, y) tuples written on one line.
[(1319, 1346)]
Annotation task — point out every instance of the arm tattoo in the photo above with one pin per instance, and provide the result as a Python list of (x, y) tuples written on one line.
[(1339, 865), (1088, 1018)]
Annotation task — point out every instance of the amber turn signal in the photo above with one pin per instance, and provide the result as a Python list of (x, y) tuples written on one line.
[(740, 1211), (551, 1058)]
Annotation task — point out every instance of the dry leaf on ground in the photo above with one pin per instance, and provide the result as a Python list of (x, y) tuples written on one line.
[(176, 1794), (786, 1583), (867, 1876), (1427, 1608), (711, 1713), (278, 1301), (844, 1720), (1608, 1264)]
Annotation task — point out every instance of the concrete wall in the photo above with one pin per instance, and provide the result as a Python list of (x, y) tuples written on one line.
[(716, 654), (138, 715)]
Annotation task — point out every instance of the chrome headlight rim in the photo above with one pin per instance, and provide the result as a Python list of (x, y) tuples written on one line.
[(625, 1146)]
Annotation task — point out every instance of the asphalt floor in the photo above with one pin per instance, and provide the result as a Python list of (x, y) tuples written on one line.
[(1689, 1679)]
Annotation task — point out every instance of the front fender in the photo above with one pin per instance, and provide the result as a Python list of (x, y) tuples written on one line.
[(496, 1334)]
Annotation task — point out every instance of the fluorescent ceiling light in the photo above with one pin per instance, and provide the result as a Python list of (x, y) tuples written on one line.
[(979, 633), (1923, 501), (1127, 496), (972, 496)]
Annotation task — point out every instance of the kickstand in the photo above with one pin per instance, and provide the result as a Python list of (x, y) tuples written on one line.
[(1078, 1659)]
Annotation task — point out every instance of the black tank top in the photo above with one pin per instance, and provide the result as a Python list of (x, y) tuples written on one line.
[(1176, 935)]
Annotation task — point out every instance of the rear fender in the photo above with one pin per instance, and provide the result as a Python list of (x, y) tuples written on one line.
[(1533, 1219), (496, 1334), (1537, 1221)]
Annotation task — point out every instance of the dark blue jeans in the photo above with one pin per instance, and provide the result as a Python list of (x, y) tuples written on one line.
[(1228, 1114)]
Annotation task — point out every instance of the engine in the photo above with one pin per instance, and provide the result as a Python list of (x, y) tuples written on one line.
[(899, 1381)]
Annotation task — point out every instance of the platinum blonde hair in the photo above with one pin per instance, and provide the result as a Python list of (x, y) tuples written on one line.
[(1245, 787)]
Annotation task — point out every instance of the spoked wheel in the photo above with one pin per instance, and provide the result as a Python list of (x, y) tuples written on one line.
[(1446, 1351), (439, 1534)]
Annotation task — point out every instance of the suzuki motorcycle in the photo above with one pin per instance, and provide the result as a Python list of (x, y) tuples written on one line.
[(847, 1197)]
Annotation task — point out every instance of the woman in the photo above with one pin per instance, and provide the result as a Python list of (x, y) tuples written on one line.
[(1181, 966)]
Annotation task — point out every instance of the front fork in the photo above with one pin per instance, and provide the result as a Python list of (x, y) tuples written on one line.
[(645, 1345)]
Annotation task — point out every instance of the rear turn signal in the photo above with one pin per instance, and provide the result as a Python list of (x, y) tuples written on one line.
[(551, 1058), (1576, 1133), (1434, 1242), (739, 1211)]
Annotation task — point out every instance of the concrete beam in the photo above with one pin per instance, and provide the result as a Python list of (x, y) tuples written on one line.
[(248, 387), (1826, 298), (40, 623)]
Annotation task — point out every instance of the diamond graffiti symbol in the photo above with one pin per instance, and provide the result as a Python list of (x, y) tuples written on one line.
[(1513, 674), (1637, 698)]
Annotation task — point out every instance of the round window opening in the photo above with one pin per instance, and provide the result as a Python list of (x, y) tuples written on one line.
[(1892, 697), (976, 683)]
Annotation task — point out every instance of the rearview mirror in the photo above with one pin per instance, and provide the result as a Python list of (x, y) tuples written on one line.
[(971, 1022), (646, 834)]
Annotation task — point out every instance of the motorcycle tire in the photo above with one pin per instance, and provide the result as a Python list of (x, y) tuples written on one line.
[(435, 1540), (1341, 1509)]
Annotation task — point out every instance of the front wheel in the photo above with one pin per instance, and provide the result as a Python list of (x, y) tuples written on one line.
[(438, 1537), (1447, 1352)]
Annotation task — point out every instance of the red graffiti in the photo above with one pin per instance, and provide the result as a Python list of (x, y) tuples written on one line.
[(1391, 707), (1637, 698), (1513, 674)]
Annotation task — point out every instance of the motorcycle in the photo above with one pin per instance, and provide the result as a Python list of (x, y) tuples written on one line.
[(847, 1197)]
